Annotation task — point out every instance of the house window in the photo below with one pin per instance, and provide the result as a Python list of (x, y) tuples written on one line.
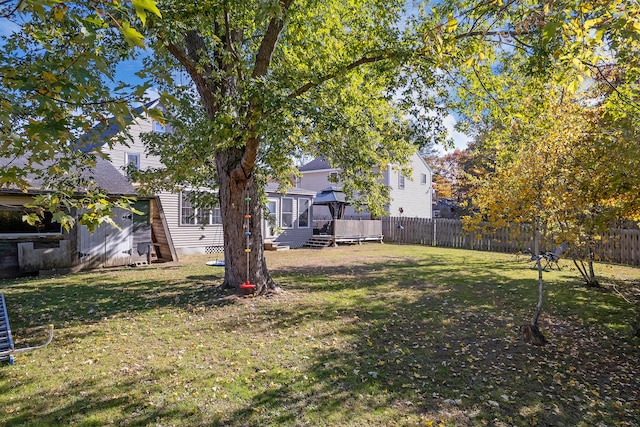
[(191, 214), (287, 212), (333, 177), (159, 128), (423, 178), (203, 216), (133, 160), (11, 222), (400, 181), (304, 213), (187, 211), (216, 216)]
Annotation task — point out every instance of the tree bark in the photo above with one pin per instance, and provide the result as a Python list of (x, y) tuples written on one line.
[(530, 333), (587, 272), (234, 189)]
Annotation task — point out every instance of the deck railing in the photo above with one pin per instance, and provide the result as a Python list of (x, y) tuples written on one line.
[(349, 229)]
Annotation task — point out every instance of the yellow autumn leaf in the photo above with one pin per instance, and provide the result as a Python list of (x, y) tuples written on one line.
[(131, 35), (49, 77)]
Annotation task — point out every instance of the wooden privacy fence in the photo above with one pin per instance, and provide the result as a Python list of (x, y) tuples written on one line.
[(620, 245)]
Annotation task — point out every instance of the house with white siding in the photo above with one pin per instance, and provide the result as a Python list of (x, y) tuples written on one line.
[(410, 196), (178, 228)]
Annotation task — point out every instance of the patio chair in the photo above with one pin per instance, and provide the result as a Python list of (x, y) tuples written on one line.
[(552, 258)]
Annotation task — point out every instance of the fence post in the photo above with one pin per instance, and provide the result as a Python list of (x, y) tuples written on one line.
[(435, 239)]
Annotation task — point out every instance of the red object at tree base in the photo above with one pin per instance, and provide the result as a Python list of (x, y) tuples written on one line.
[(247, 288)]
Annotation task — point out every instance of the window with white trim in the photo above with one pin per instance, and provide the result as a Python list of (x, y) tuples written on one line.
[(423, 178), (400, 181), (191, 214), (133, 160), (158, 127), (304, 212), (287, 212)]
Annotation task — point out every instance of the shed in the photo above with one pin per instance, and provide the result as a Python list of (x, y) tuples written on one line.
[(28, 250)]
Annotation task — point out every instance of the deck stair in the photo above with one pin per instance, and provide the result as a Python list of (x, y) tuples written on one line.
[(319, 241), (275, 246)]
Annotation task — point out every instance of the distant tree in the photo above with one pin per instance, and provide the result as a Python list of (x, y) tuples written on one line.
[(449, 174)]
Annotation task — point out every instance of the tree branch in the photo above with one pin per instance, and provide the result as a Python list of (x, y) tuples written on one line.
[(268, 44), (355, 64), (261, 66), (611, 86), (190, 66), (231, 37), (9, 12)]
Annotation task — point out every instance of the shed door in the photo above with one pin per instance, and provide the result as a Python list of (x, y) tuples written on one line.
[(107, 246)]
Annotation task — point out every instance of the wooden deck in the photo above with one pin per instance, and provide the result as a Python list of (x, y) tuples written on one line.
[(331, 232)]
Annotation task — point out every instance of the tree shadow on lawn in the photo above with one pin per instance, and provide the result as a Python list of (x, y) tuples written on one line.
[(480, 283), (425, 363), (444, 352), (416, 341), (88, 298), (91, 401)]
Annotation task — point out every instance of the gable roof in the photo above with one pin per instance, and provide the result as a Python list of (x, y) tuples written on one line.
[(104, 174), (319, 163), (101, 133)]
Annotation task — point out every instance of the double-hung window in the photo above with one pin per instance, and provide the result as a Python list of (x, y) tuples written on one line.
[(304, 213), (133, 161), (191, 214), (287, 212)]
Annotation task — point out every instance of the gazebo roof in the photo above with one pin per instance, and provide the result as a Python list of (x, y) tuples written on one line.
[(330, 195)]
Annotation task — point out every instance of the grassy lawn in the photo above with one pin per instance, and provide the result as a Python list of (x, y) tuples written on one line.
[(371, 335)]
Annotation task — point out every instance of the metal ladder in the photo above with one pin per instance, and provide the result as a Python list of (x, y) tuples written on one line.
[(7, 350), (6, 342)]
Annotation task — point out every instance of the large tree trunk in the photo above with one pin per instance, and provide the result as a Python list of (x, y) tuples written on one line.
[(217, 74), (235, 188)]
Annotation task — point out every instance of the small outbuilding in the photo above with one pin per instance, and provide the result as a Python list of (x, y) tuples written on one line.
[(48, 248)]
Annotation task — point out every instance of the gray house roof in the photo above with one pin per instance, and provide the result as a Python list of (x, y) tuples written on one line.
[(272, 188), (104, 174), (101, 133), (319, 163)]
